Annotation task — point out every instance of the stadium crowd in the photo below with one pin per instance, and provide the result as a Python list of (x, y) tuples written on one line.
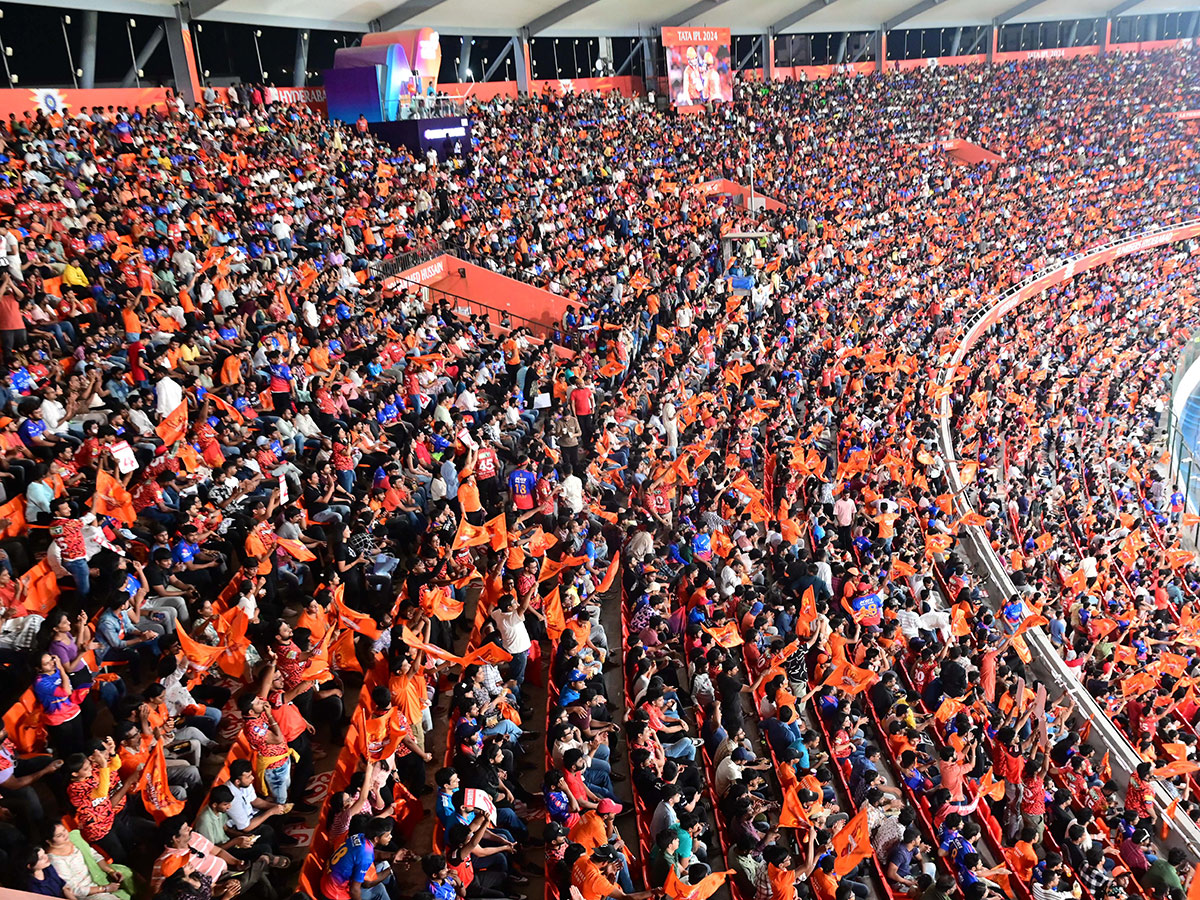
[(265, 505)]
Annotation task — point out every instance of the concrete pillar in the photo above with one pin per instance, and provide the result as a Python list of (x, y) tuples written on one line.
[(768, 55), (464, 60), (300, 70), (183, 55), (956, 42), (87, 49), (651, 73), (522, 64), (991, 37), (880, 50), (840, 56)]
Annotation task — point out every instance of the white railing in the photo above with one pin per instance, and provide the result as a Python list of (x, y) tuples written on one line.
[(1046, 661)]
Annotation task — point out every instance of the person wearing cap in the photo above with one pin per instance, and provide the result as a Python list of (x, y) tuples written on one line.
[(595, 875), (597, 828)]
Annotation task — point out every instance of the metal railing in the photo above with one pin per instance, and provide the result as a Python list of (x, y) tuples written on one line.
[(1047, 663)]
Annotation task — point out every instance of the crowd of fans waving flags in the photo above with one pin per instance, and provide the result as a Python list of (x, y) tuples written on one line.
[(313, 582)]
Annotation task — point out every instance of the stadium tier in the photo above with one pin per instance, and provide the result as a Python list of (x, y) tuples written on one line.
[(752, 479)]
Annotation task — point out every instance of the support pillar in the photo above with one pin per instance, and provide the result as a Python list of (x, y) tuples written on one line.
[(769, 55), (880, 50), (464, 58), (520, 49), (300, 72), (1073, 33), (956, 42), (606, 52), (840, 56), (143, 56), (87, 49), (1106, 36), (183, 55), (991, 38), (649, 72), (1193, 20), (1152, 28)]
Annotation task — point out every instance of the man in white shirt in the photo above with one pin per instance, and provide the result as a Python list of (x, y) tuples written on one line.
[(169, 394), (571, 493), (54, 414), (509, 617)]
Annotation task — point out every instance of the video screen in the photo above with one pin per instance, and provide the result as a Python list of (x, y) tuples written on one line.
[(699, 67)]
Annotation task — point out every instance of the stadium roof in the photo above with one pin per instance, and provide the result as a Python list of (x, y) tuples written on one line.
[(578, 18)]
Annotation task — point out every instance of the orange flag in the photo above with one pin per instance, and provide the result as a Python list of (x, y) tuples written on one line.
[(903, 569), (318, 667), (111, 499), (793, 815), (702, 890), (498, 530), (850, 678), (989, 787), (556, 621), (173, 427), (1178, 558), (726, 635), (410, 637), (808, 612), (1178, 767), (852, 843), (201, 656), (233, 660), (360, 622), (1164, 830), (1031, 622), (1043, 542), (296, 550), (342, 653), (469, 535), (608, 576), (489, 653), (948, 710), (1076, 581), (1137, 684), (541, 542), (228, 408), (156, 792)]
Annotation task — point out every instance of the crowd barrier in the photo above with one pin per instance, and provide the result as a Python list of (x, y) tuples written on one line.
[(986, 565)]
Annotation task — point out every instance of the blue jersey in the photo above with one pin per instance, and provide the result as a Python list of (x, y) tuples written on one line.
[(348, 865), (521, 484)]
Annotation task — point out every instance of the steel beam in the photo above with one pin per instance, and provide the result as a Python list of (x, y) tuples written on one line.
[(633, 49), (956, 42), (745, 59), (696, 9), (143, 56), (1121, 8), (1013, 11), (198, 8), (498, 61), (798, 15), (904, 15), (556, 15), (402, 12)]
